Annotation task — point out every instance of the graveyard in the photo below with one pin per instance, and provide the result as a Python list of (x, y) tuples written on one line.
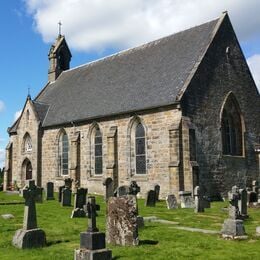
[(167, 234)]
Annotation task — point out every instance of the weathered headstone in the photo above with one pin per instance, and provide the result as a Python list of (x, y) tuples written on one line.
[(233, 227), (242, 203), (39, 197), (66, 197), (49, 191), (60, 193), (109, 188), (134, 188), (198, 200), (150, 199), (79, 202), (92, 242), (121, 225), (253, 197), (68, 182), (255, 186), (186, 199), (122, 190), (29, 236), (157, 191), (171, 201), (206, 202)]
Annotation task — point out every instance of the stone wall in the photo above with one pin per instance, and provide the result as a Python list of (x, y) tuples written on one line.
[(222, 71)]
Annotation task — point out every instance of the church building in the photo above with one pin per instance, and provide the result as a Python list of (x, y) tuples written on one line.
[(180, 111)]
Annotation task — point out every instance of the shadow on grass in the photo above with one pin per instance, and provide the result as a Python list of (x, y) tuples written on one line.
[(148, 242), (116, 257), (50, 243)]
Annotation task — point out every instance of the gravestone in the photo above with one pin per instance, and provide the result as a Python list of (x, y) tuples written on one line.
[(206, 202), (39, 197), (60, 193), (92, 242), (134, 188), (150, 199), (242, 203), (186, 199), (122, 190), (253, 197), (66, 197), (198, 200), (49, 191), (255, 186), (109, 188), (171, 201), (233, 227), (79, 202), (68, 183), (121, 224), (30, 235), (157, 191)]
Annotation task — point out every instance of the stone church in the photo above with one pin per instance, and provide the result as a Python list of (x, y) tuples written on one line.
[(179, 111)]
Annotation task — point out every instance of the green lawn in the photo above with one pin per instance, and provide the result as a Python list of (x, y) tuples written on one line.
[(157, 241)]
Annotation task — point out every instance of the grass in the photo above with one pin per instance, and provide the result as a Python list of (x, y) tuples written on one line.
[(157, 241)]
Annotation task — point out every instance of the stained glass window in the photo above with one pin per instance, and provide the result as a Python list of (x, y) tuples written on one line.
[(64, 154), (98, 152), (140, 157)]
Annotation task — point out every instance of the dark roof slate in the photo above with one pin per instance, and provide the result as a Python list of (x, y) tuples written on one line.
[(148, 76)]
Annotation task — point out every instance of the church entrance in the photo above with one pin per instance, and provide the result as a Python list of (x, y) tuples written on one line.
[(28, 175), (26, 171)]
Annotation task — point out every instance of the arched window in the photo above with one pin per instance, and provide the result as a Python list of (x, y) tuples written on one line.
[(63, 154), (140, 156), (27, 143), (98, 152), (231, 128)]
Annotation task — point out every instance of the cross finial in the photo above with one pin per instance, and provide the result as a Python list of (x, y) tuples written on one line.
[(60, 24)]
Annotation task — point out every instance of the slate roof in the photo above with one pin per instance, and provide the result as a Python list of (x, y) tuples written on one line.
[(148, 76)]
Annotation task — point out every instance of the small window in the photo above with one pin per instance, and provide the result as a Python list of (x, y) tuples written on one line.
[(140, 155), (27, 143), (98, 152), (192, 141)]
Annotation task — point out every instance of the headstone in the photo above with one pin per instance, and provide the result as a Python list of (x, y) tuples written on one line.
[(39, 197), (253, 197), (49, 191), (109, 188), (171, 202), (242, 203), (233, 227), (157, 191), (198, 200), (29, 236), (150, 199), (92, 242), (68, 183), (255, 186), (140, 221), (66, 197), (206, 202), (79, 202), (60, 193), (134, 188), (186, 199), (122, 190), (121, 221)]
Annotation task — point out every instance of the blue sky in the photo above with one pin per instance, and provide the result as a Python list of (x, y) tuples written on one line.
[(97, 28)]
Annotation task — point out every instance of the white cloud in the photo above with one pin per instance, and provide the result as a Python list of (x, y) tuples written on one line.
[(17, 114), (2, 106), (2, 157), (254, 64), (98, 24)]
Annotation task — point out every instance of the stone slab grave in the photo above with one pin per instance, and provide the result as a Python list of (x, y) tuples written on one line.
[(50, 191), (109, 188), (67, 184), (30, 236), (92, 242), (242, 203), (7, 216), (79, 202), (121, 223), (186, 199), (122, 191), (198, 199), (171, 201), (233, 227), (150, 199)]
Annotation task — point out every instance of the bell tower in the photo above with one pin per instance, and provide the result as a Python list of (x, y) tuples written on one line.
[(59, 58)]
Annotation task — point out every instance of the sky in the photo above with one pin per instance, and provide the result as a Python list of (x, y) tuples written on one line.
[(97, 28)]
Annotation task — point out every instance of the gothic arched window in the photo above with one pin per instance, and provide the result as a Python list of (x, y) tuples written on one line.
[(98, 152), (63, 154), (231, 128), (140, 156)]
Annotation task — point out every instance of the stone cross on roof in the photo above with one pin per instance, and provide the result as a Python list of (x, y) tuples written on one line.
[(30, 193), (91, 209), (60, 24)]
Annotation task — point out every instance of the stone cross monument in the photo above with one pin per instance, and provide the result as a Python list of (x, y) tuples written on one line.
[(30, 236)]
